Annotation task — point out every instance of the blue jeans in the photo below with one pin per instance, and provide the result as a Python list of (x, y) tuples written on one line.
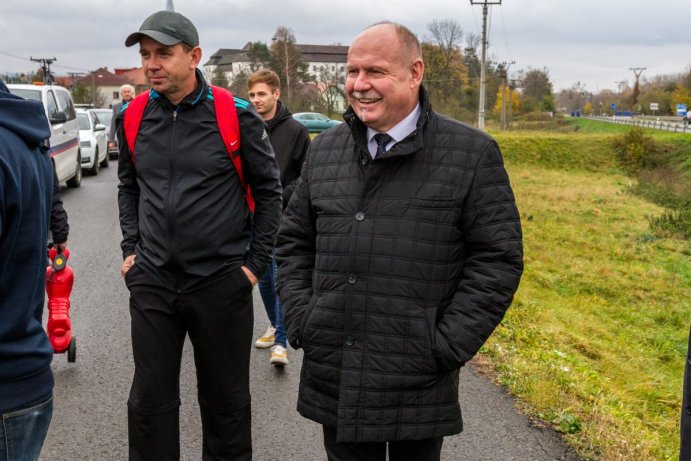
[(23, 431), (273, 306)]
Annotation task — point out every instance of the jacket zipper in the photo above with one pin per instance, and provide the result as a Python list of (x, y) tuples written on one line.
[(171, 194)]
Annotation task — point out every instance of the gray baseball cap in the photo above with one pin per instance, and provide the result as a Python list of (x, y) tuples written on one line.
[(167, 28)]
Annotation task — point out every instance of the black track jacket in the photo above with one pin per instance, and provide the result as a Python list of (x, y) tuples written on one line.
[(182, 207), (290, 141)]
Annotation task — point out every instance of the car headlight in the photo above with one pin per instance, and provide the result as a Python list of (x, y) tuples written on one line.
[(85, 144)]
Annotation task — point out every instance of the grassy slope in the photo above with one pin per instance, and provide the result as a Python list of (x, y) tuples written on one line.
[(596, 337)]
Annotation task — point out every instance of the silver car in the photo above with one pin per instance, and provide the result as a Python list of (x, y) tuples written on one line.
[(92, 141)]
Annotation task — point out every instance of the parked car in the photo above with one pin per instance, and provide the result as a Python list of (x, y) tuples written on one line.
[(315, 122), (105, 117), (64, 128), (93, 141)]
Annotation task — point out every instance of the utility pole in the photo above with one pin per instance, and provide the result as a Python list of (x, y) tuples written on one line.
[(512, 85), (637, 71), (504, 104), (45, 66), (619, 84), (483, 64)]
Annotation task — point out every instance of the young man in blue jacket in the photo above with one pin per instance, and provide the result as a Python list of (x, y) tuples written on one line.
[(26, 180)]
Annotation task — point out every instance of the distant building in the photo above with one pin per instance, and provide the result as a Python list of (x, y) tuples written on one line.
[(106, 83), (326, 67), (319, 59)]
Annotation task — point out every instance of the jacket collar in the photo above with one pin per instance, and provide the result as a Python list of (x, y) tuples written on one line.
[(196, 96), (407, 146)]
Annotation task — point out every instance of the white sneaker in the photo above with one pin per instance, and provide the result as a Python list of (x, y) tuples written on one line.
[(267, 340), (279, 356)]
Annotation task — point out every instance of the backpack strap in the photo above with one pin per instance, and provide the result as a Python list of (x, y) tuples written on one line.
[(229, 127), (133, 118)]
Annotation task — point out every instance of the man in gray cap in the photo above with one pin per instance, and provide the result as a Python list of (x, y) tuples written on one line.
[(192, 248)]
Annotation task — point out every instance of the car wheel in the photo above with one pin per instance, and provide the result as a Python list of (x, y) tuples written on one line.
[(106, 160), (76, 180), (93, 171)]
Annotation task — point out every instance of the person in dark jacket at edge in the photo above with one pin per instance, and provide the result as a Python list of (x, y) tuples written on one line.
[(192, 251), (398, 255), (290, 141), (26, 181), (685, 445), (59, 225)]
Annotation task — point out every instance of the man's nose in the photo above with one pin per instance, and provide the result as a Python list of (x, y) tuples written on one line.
[(361, 82)]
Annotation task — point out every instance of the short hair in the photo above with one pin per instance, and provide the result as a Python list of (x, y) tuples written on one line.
[(408, 39), (264, 76), (125, 86)]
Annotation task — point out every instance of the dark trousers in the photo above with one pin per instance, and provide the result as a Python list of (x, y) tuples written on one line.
[(402, 450), (219, 321)]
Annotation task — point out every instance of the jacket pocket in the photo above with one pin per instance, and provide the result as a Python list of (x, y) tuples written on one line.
[(305, 318)]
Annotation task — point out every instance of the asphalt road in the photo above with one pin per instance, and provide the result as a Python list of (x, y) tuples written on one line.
[(89, 421)]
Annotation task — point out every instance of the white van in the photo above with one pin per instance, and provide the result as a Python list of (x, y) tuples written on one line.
[(64, 129)]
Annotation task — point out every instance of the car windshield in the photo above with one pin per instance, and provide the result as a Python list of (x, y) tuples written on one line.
[(104, 117), (27, 94), (83, 121)]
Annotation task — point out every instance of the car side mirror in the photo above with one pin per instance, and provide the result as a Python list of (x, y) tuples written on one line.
[(99, 127), (58, 117)]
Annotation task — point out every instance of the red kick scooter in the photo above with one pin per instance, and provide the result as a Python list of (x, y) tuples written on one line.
[(59, 281)]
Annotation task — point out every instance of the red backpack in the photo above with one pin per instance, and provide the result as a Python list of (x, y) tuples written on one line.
[(228, 126)]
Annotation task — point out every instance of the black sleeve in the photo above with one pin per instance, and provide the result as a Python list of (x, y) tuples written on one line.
[(492, 266), (295, 255), (262, 175), (297, 158), (59, 227), (128, 194)]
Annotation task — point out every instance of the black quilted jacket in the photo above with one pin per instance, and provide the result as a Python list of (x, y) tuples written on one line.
[(394, 272)]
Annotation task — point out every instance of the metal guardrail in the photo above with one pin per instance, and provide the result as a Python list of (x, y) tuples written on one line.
[(643, 123)]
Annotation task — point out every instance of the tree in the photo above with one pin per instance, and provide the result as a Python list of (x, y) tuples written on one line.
[(515, 100), (332, 86), (445, 72), (219, 78), (84, 93), (259, 56), (536, 91), (286, 59)]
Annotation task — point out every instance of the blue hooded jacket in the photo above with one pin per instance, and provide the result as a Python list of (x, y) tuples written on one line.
[(26, 180)]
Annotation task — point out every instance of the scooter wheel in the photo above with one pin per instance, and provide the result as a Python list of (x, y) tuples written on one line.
[(72, 350)]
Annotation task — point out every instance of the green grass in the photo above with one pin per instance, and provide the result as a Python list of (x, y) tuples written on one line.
[(595, 341)]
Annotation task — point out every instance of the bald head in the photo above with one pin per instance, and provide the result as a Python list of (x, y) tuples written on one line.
[(407, 39), (385, 71)]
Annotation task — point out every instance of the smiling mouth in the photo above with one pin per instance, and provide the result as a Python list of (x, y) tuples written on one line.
[(368, 100)]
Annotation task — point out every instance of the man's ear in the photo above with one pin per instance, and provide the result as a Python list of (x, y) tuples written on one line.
[(417, 70), (196, 56), (277, 92)]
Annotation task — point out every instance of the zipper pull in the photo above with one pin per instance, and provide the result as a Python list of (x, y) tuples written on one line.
[(175, 116)]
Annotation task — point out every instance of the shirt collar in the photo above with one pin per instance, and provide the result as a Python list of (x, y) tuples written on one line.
[(398, 133)]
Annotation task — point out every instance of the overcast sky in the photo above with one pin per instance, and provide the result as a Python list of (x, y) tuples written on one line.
[(594, 42)]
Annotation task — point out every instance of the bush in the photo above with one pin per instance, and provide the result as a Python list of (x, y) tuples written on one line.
[(673, 223), (636, 150)]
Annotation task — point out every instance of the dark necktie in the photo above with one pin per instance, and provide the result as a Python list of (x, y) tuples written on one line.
[(382, 140)]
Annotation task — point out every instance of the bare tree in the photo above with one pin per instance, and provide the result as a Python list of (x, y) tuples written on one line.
[(286, 58), (447, 35)]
